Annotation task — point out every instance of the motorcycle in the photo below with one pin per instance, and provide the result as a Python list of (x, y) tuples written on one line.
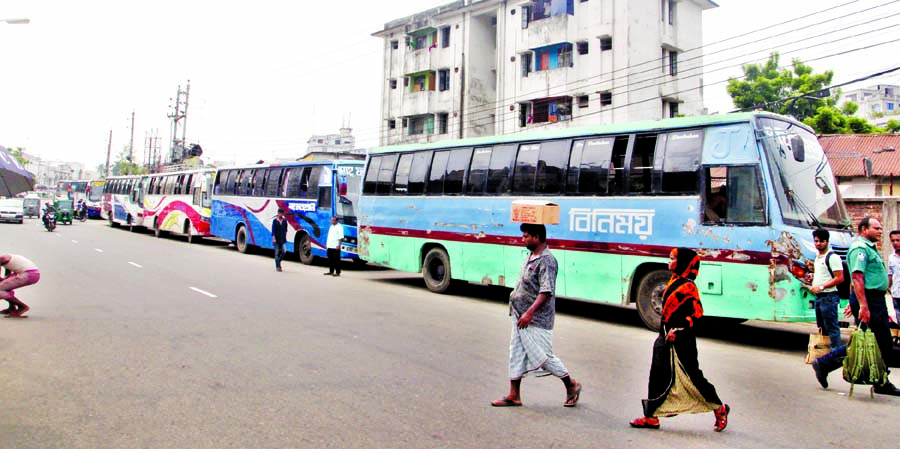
[(81, 214), (50, 221)]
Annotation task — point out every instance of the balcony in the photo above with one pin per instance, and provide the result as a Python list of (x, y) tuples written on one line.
[(546, 31), (417, 61), (418, 103)]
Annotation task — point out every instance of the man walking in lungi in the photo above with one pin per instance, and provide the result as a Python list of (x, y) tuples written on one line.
[(532, 304)]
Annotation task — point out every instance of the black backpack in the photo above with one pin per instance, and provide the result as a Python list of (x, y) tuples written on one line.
[(843, 288)]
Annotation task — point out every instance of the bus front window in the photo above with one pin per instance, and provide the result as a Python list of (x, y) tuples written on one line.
[(804, 184), (349, 185)]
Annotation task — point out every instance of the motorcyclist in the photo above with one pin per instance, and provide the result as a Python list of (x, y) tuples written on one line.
[(81, 209), (46, 215)]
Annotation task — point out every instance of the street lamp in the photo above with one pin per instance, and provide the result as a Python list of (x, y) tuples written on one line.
[(16, 21)]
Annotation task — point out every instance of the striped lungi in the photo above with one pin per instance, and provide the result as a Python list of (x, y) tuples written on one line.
[(531, 352)]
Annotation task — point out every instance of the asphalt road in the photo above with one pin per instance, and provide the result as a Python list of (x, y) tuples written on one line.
[(138, 342)]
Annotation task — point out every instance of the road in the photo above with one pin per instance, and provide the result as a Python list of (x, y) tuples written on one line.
[(138, 342)]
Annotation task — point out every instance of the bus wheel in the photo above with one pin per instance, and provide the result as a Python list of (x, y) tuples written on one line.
[(240, 240), (112, 223), (649, 297), (188, 232), (304, 250), (156, 231), (436, 270)]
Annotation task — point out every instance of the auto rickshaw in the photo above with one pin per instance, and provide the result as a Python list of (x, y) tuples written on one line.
[(64, 211), (31, 206)]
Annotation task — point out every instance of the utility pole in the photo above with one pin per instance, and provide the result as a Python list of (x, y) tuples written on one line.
[(179, 122), (108, 151), (131, 144)]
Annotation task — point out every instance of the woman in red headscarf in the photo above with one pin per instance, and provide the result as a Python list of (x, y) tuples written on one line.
[(676, 383)]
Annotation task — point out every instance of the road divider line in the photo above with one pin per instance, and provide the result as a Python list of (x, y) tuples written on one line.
[(135, 265), (202, 292), (98, 250), (74, 241)]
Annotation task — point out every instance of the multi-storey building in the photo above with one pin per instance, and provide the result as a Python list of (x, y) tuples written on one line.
[(878, 103), (481, 67)]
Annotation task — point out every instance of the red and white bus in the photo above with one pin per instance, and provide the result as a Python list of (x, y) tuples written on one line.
[(177, 202)]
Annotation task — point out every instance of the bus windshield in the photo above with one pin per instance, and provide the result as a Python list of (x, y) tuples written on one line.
[(804, 184), (349, 185), (95, 194)]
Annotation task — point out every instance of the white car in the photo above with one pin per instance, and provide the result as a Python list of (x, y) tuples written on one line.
[(11, 210)]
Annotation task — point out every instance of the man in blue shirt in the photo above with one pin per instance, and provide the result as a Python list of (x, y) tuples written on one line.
[(279, 237)]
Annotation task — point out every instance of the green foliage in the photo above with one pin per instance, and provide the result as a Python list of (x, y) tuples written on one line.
[(830, 120), (766, 86), (893, 126), (17, 153), (849, 108), (124, 166)]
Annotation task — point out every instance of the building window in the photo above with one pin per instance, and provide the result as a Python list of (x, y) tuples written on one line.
[(443, 79), (554, 56), (543, 9), (663, 59), (890, 106), (673, 63), (605, 43), (405, 81), (527, 62), (582, 101), (582, 47), (393, 84), (526, 16), (670, 109), (605, 98), (671, 12), (405, 122), (445, 37), (555, 109), (524, 114), (392, 124), (394, 45), (442, 119)]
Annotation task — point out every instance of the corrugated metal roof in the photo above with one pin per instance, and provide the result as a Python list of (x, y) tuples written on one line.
[(846, 153)]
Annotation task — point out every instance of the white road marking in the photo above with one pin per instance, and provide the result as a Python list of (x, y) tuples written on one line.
[(134, 264), (98, 250), (203, 292), (74, 241)]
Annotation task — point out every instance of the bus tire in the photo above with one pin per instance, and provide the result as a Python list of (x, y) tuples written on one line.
[(304, 249), (112, 223), (156, 231), (436, 270), (188, 232), (240, 240), (649, 297)]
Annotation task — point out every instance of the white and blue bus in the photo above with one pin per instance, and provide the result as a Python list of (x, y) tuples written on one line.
[(245, 201), (745, 190)]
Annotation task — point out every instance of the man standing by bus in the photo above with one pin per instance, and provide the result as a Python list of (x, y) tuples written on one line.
[(870, 283), (532, 304), (279, 237), (335, 236), (828, 274)]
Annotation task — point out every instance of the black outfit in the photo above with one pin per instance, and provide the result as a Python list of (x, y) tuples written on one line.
[(279, 232), (334, 261)]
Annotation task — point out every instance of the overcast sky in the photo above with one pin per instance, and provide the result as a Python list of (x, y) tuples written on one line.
[(267, 75)]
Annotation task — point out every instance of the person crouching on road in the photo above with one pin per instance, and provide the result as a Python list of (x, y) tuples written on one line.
[(279, 237), (532, 306), (20, 272), (676, 383), (335, 236)]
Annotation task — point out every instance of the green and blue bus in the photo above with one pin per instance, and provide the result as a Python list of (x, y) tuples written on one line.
[(744, 190)]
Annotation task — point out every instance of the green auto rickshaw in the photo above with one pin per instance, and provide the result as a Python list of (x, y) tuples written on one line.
[(64, 211)]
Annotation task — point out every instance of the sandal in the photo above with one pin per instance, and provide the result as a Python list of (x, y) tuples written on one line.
[(506, 402), (721, 417), (572, 399), (6, 311), (644, 423)]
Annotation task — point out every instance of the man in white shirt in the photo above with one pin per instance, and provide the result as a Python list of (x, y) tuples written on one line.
[(894, 273), (335, 236), (824, 285)]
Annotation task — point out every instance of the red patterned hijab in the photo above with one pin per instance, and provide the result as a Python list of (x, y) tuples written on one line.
[(687, 263)]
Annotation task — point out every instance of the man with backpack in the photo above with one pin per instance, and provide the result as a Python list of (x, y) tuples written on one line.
[(870, 283), (828, 275)]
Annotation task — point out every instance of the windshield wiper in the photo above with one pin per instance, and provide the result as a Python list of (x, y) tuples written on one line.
[(802, 207)]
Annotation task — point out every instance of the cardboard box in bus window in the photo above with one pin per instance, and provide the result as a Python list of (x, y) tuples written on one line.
[(535, 212)]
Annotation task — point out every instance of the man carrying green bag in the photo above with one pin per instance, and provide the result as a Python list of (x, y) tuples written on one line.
[(870, 284), (864, 365)]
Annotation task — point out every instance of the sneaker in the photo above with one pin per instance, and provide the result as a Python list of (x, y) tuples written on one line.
[(821, 375), (278, 269), (887, 389), (337, 274)]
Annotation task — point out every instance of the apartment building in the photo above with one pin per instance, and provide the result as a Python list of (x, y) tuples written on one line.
[(482, 67), (878, 103)]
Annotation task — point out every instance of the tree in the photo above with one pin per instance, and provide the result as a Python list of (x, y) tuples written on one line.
[(849, 108), (124, 166), (18, 153), (828, 120), (769, 87), (893, 126)]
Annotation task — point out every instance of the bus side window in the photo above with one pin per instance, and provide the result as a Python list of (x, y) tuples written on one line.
[(617, 166), (273, 181), (386, 174), (589, 166), (322, 180), (228, 188), (401, 181), (734, 194), (259, 177), (716, 191), (500, 169), (681, 161), (552, 166), (481, 160), (436, 176), (640, 179), (418, 173), (457, 165), (292, 182), (526, 168), (372, 175)]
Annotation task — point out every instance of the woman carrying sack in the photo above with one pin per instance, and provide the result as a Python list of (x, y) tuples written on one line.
[(676, 383)]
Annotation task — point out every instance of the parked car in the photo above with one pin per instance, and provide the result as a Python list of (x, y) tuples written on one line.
[(11, 210)]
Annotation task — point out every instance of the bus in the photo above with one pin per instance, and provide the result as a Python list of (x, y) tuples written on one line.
[(93, 197), (122, 204), (745, 190), (73, 190), (177, 202), (245, 200)]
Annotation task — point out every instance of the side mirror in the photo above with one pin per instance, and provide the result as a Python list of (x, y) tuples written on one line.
[(798, 148)]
